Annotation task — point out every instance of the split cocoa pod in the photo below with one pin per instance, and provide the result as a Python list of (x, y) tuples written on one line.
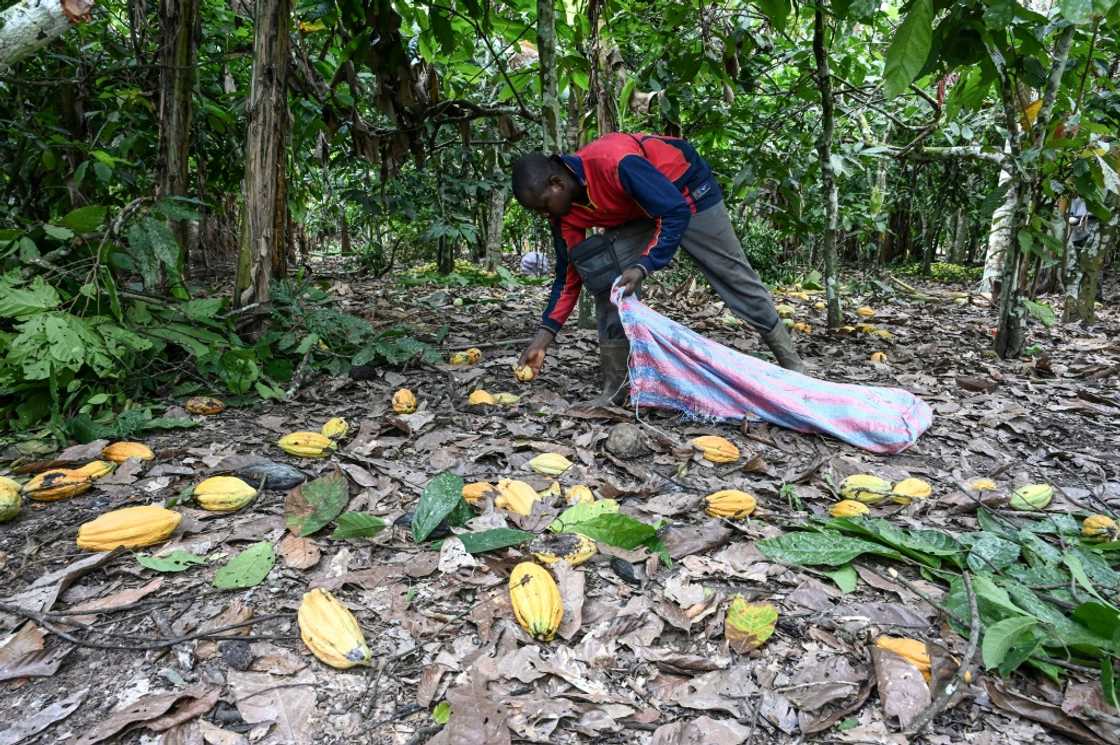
[(573, 548), (404, 402), (536, 602), (716, 449), (306, 444), (10, 500), (119, 452), (335, 428), (56, 484), (1098, 528), (516, 496), (331, 631)]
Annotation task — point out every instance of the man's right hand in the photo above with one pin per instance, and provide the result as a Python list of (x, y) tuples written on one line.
[(533, 356)]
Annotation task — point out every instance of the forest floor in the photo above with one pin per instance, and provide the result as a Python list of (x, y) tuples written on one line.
[(641, 656)]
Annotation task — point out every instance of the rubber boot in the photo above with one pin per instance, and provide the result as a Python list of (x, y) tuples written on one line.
[(614, 356), (780, 343)]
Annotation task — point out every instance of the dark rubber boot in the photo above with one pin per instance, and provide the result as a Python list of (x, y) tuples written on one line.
[(614, 355), (780, 343)]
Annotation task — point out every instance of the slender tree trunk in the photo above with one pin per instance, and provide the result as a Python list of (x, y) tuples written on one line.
[(999, 234), (828, 181), (1011, 338), (546, 49), (495, 209), (345, 248), (960, 234), (266, 156), (179, 31), (30, 25)]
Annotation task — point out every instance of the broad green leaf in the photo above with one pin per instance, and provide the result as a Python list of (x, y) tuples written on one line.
[(442, 495), (491, 540), (1000, 636), (776, 10), (582, 512), (1099, 618), (26, 300), (58, 233), (1077, 12), (85, 219), (828, 549), (845, 578), (748, 625), (1041, 312), (1108, 682), (991, 553), (1077, 571), (615, 529), (908, 51), (325, 498), (247, 569), (442, 713), (203, 309), (357, 525), (176, 561)]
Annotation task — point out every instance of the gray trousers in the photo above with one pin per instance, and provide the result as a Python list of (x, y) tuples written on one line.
[(711, 242)]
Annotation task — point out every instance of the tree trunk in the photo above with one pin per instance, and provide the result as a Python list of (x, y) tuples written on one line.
[(346, 249), (546, 49), (179, 33), (828, 181), (30, 25), (1010, 338), (959, 233), (999, 235), (266, 156)]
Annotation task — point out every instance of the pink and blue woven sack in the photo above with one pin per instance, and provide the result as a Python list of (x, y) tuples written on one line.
[(673, 367)]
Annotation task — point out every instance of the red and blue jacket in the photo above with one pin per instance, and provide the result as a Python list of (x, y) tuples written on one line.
[(629, 177)]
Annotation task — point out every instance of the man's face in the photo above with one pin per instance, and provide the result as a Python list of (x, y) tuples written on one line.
[(555, 202)]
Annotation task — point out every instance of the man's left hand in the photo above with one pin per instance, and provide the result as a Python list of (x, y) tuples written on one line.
[(631, 280)]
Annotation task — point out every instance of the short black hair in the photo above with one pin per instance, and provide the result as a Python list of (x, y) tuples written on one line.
[(531, 173)]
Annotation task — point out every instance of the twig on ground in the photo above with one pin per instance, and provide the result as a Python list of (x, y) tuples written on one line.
[(964, 671)]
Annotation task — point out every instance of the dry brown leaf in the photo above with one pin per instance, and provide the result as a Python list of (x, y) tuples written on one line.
[(288, 703), (903, 692), (701, 730), (147, 709), (117, 599), (571, 584), (298, 553), (25, 728)]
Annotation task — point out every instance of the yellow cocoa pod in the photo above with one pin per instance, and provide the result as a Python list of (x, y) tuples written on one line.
[(204, 405), (473, 493), (459, 358), (571, 547), (536, 600), (516, 496), (983, 485), (1032, 497), (883, 334), (911, 650), (848, 508), (336, 428), (523, 373), (819, 305), (130, 527), (579, 494), (864, 487), (784, 311), (866, 328), (506, 399), (1098, 527), (865, 311), (730, 503), (877, 357), (331, 632), (480, 397), (223, 494), (404, 402), (10, 500), (910, 490), (119, 452), (550, 464), (57, 483), (306, 444), (803, 328), (716, 449), (95, 469), (553, 490), (474, 355)]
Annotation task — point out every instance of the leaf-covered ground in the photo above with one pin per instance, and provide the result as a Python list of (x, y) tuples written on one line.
[(641, 654)]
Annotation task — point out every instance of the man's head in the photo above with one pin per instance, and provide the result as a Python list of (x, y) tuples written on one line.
[(542, 184)]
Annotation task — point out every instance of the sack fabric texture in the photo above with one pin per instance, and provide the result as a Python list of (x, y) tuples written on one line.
[(673, 367)]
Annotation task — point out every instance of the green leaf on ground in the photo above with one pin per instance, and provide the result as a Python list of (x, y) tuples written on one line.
[(312, 505), (357, 525), (828, 549), (442, 713), (1001, 636), (845, 578), (440, 497), (582, 512), (491, 540), (176, 561), (247, 569)]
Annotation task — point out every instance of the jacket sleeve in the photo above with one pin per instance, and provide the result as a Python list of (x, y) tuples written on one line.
[(566, 286), (662, 201)]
